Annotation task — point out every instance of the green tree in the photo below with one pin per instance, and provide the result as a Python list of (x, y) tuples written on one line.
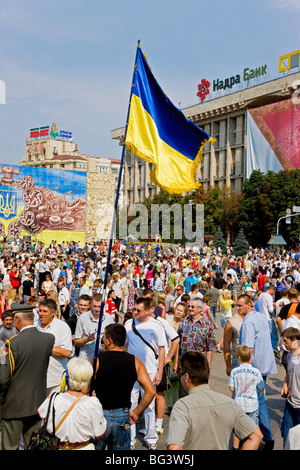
[(240, 245), (266, 197), (219, 241)]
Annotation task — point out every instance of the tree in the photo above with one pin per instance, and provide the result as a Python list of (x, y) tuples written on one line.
[(219, 241), (266, 197), (240, 245)]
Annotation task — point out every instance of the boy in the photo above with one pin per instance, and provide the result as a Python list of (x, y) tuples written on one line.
[(244, 381), (290, 389)]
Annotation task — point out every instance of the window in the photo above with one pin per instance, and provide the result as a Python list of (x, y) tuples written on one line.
[(233, 163)]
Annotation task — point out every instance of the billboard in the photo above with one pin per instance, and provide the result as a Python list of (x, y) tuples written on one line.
[(48, 204), (273, 137)]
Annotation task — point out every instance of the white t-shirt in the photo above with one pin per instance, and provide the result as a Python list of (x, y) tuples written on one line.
[(63, 338), (63, 296), (170, 332), (152, 331)]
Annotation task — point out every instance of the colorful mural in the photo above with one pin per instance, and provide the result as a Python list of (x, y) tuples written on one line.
[(42, 202)]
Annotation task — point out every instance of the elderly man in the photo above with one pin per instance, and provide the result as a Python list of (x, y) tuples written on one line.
[(196, 334), (23, 381)]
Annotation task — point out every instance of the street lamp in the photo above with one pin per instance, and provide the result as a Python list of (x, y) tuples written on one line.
[(284, 217)]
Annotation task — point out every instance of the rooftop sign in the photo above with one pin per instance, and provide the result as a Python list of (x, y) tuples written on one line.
[(248, 74), (53, 132), (292, 61)]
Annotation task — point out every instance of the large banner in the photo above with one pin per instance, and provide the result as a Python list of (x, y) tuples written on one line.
[(44, 203), (273, 137)]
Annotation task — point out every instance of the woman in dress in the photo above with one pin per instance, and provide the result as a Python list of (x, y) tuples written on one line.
[(48, 284)]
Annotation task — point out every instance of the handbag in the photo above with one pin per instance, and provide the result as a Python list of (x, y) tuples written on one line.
[(42, 439)]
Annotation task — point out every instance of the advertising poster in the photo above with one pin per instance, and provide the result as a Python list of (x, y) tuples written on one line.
[(47, 204), (273, 133)]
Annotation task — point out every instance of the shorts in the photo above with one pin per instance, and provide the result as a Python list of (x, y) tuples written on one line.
[(165, 383), (224, 321)]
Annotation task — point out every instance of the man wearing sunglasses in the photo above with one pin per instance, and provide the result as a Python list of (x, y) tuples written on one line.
[(196, 334), (146, 340)]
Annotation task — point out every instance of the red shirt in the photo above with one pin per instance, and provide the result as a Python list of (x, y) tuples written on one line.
[(111, 307), (13, 280)]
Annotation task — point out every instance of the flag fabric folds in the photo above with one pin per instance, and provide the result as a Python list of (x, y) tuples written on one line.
[(159, 133)]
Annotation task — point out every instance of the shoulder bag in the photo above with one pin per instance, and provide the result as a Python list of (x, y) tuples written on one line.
[(138, 334), (44, 440)]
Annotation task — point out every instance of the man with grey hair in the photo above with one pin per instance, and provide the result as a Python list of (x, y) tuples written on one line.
[(23, 375), (196, 334)]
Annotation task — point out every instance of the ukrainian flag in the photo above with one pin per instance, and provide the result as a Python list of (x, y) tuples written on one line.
[(159, 132)]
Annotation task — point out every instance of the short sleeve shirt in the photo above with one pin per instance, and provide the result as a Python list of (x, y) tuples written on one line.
[(204, 420), (153, 332), (86, 323), (63, 338), (246, 379), (196, 336)]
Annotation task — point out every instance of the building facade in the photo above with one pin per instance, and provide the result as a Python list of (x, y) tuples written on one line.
[(57, 152), (225, 119)]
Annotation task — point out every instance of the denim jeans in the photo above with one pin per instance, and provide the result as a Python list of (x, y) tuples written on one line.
[(264, 419), (291, 417), (117, 437), (255, 416), (214, 312)]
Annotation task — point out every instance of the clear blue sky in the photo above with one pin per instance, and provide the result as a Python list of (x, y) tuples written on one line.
[(71, 61)]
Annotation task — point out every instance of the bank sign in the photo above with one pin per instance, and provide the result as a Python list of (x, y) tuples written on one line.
[(204, 86)]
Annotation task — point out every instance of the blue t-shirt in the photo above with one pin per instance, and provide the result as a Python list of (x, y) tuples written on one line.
[(187, 283)]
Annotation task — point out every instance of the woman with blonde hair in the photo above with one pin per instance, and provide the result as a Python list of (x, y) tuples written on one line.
[(52, 294), (86, 421), (226, 304), (11, 297), (3, 301)]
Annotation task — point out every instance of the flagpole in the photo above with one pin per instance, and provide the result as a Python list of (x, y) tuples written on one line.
[(113, 225)]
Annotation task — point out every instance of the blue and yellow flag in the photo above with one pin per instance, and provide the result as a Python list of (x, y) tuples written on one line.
[(159, 132)]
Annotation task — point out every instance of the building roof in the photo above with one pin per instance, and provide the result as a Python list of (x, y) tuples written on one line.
[(276, 240), (68, 157)]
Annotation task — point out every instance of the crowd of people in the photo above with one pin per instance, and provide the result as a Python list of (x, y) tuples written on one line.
[(157, 338)]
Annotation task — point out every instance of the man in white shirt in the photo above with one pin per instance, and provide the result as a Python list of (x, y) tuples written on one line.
[(62, 349), (265, 302), (153, 357), (64, 300), (83, 287), (55, 275), (87, 328), (233, 274)]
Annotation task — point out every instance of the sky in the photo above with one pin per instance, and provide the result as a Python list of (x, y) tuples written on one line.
[(71, 61)]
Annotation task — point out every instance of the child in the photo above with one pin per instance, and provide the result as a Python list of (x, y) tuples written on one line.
[(244, 381), (206, 312)]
